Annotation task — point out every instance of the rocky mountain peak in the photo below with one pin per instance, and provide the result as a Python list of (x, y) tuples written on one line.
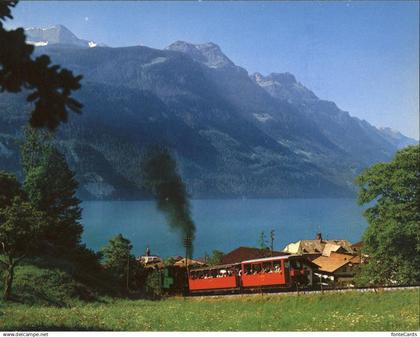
[(397, 138), (208, 53), (284, 78), (57, 34), (283, 86)]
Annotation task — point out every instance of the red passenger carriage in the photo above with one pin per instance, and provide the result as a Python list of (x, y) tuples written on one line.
[(289, 271), (286, 271), (224, 277)]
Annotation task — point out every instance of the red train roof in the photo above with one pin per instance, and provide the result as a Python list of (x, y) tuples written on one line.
[(221, 266), (272, 258)]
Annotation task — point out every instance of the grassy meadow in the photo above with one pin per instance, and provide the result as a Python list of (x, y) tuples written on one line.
[(351, 311)]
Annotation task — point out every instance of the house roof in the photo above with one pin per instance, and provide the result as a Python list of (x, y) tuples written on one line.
[(317, 246), (356, 259), (149, 259), (332, 247), (335, 261), (247, 253), (358, 244), (190, 262), (357, 247), (175, 258)]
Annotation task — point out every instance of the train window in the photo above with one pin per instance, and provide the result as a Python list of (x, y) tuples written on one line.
[(277, 267), (257, 268), (267, 267), (298, 264), (222, 273), (247, 269), (286, 264)]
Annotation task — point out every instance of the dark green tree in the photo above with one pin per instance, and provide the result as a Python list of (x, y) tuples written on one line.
[(392, 239), (20, 228), (49, 87), (36, 147), (215, 258), (119, 261), (9, 188), (153, 284), (51, 188)]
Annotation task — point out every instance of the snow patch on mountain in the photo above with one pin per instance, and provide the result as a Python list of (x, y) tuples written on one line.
[(155, 61), (38, 43), (262, 117)]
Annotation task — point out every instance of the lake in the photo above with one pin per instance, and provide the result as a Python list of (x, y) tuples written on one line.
[(222, 224)]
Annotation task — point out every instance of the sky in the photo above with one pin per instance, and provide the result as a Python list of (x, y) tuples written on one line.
[(364, 56)]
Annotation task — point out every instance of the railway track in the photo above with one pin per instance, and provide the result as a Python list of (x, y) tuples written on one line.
[(300, 292)]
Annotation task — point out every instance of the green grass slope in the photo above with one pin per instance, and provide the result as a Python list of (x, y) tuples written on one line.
[(35, 285), (381, 311)]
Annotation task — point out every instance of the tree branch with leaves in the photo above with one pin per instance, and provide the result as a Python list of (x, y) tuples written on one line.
[(50, 87)]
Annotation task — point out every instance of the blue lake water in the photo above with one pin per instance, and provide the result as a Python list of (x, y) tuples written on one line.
[(222, 224)]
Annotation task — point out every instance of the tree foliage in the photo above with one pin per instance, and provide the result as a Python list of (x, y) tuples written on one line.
[(51, 188), (36, 147), (49, 86), (153, 284), (9, 188), (392, 239), (215, 258), (20, 228), (119, 260)]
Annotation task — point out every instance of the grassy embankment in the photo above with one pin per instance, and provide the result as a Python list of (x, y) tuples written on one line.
[(382, 311)]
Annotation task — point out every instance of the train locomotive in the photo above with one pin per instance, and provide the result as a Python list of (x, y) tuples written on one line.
[(288, 272)]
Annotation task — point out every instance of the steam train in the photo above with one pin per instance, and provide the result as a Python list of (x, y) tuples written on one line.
[(272, 273)]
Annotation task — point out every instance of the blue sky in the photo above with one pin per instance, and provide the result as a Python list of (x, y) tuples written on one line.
[(362, 55)]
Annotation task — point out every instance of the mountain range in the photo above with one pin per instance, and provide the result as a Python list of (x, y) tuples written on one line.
[(233, 134), (57, 34)]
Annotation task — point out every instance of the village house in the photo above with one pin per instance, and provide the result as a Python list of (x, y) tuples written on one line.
[(312, 249), (150, 261), (337, 269)]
